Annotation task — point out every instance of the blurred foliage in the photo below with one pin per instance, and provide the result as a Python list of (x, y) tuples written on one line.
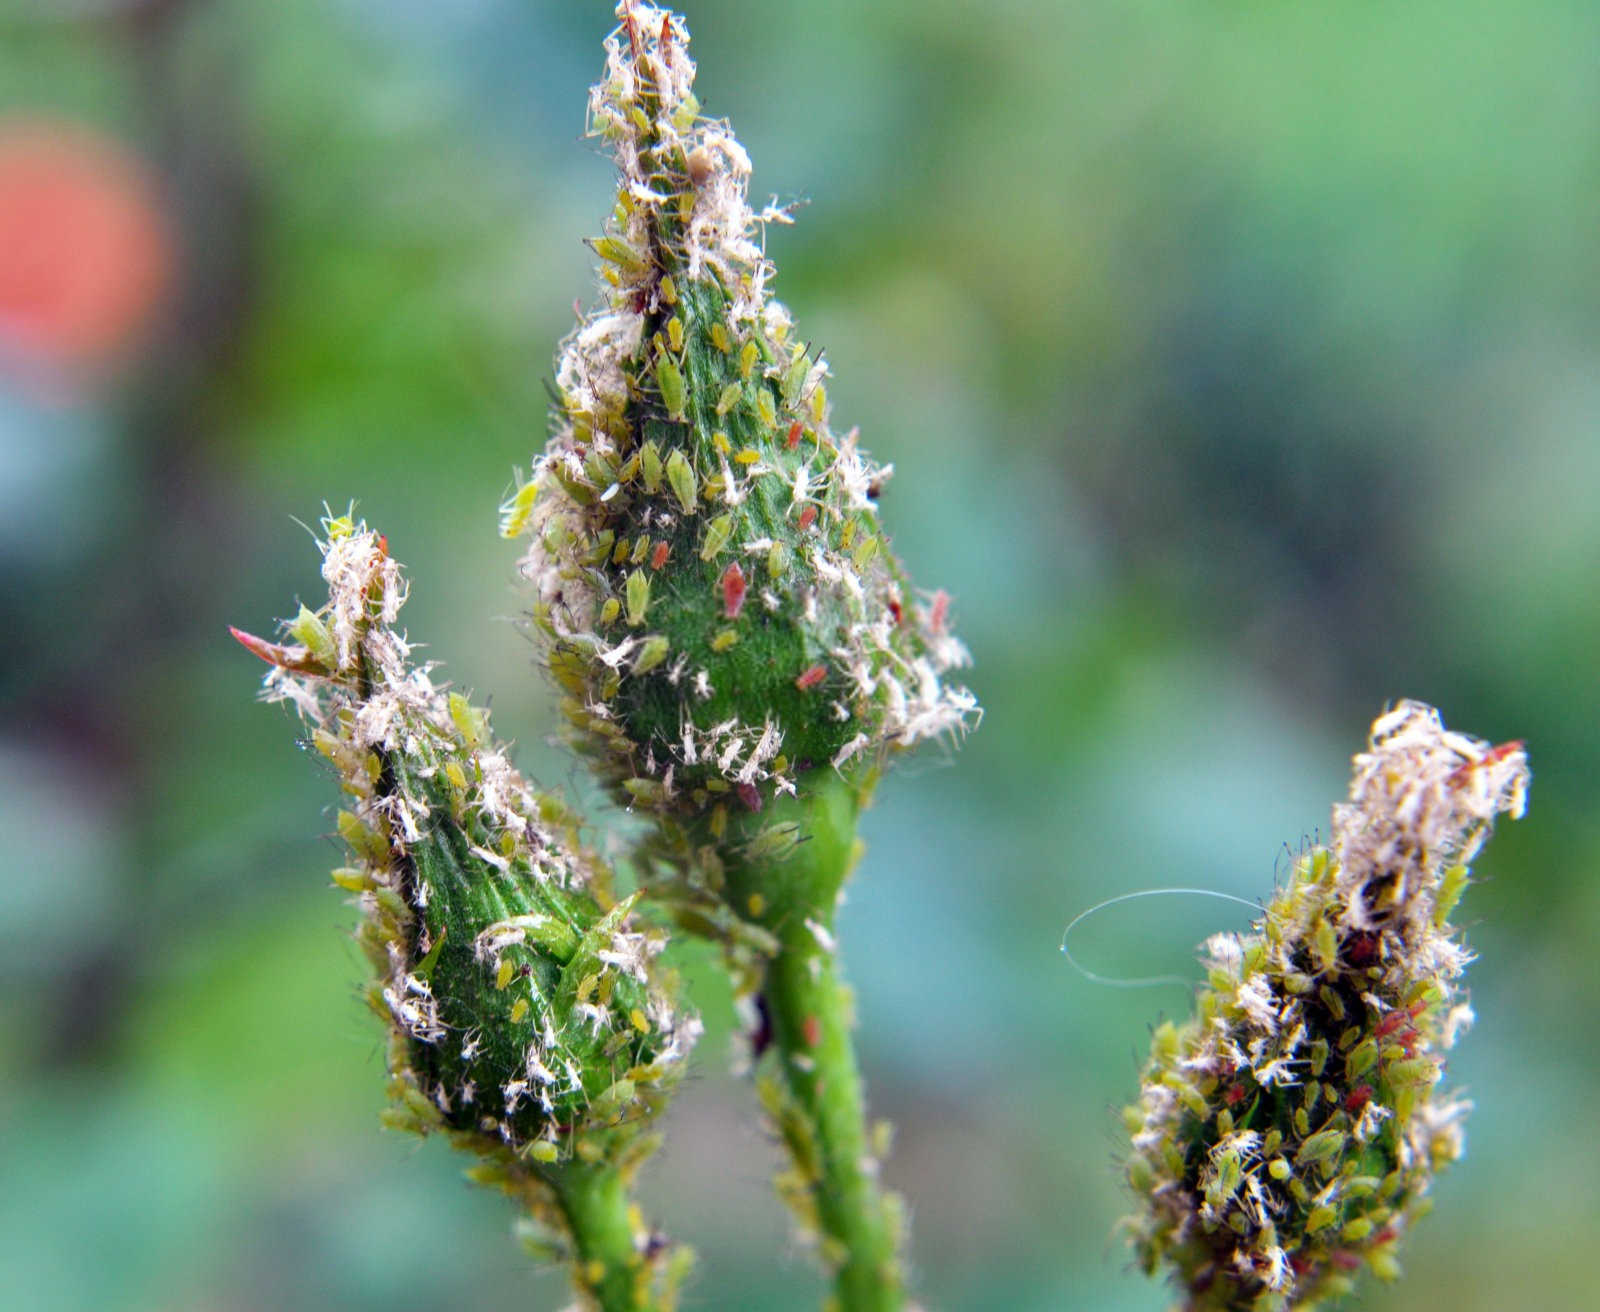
[(1238, 361)]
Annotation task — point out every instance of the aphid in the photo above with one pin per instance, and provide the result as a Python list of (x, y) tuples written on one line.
[(658, 557), (719, 338), (638, 592), (717, 533), (729, 398), (795, 377), (675, 332), (1357, 1099), (808, 517), (749, 795), (515, 512), (670, 381), (765, 410), (651, 654), (939, 613), (811, 677), (669, 293), (790, 442), (650, 466), (681, 475), (733, 591), (747, 359)]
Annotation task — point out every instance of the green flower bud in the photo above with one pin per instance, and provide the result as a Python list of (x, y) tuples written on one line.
[(715, 589), (1288, 1135), (526, 1012)]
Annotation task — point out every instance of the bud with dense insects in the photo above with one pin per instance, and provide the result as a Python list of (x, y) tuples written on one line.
[(739, 650), (526, 1015), (1287, 1135)]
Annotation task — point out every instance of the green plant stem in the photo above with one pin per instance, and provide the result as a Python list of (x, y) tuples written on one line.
[(823, 1118), (607, 1264)]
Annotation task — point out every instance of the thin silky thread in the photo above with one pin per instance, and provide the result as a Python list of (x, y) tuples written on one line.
[(1146, 981)]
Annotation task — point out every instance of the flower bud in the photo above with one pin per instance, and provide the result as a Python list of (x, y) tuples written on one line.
[(716, 595), (1288, 1134), (525, 1009)]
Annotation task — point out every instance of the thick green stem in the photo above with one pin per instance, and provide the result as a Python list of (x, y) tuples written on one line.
[(821, 1112), (607, 1264)]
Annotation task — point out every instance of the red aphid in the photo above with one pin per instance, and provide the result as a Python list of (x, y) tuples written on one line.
[(1361, 948), (658, 557), (897, 610), (793, 440), (733, 590), (939, 613), (1357, 1098), (811, 677), (1395, 1019), (1458, 776), (808, 517), (749, 794), (1235, 1095)]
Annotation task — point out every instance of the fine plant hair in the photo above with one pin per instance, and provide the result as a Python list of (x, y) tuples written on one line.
[(740, 659)]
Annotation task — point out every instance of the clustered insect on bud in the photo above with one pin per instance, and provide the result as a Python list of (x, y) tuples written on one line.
[(525, 1010), (1287, 1134), (716, 597)]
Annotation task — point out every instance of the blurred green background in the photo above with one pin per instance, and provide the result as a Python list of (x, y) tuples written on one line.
[(1237, 359)]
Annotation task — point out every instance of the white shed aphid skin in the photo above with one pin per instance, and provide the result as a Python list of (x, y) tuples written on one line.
[(1327, 1022)]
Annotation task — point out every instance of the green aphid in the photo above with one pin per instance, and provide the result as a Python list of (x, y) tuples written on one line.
[(669, 380), (1451, 886), (653, 652), (731, 395), (638, 592), (684, 485), (470, 722), (650, 466), (775, 843), (311, 633), (718, 531), (1320, 1147), (795, 378), (371, 846)]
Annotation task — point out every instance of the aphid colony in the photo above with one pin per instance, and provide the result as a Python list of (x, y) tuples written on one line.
[(524, 1009), (1287, 1134), (716, 597)]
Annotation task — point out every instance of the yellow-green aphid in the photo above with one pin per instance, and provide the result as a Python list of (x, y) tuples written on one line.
[(638, 592), (650, 466), (717, 533), (681, 475), (795, 378), (669, 379)]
